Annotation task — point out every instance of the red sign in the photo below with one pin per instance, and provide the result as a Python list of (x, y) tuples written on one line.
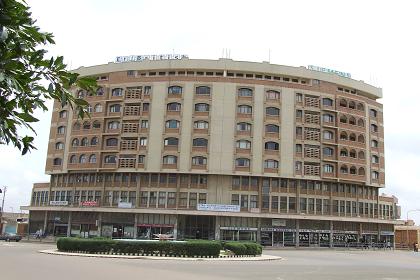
[(89, 203)]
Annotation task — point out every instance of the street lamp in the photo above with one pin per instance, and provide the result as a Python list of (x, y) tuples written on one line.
[(409, 211)]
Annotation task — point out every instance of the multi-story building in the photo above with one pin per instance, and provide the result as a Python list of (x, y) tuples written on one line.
[(218, 149)]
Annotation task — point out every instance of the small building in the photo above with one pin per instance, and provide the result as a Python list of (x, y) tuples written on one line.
[(14, 223), (407, 235)]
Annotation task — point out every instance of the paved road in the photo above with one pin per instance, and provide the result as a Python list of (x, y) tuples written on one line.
[(20, 261)]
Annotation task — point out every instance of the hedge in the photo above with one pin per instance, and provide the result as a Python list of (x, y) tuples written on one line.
[(243, 248), (162, 248)]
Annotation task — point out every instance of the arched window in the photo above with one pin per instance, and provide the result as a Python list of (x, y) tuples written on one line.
[(328, 118), (202, 90), (94, 141), (59, 146), (117, 92), (174, 107), (343, 135), (373, 128), (110, 159), (373, 113), (92, 159), (362, 171), (343, 152), (57, 161), (374, 144), (242, 126), (272, 128), (170, 160), (84, 142), (343, 119), (328, 168), (328, 151), (344, 169), (112, 142), (353, 170), (361, 139), (375, 175), (352, 137), (75, 142), (242, 162), (115, 108), (343, 103), (272, 111), (271, 146), (175, 90), (201, 125), (62, 114), (375, 159), (96, 125), (244, 92), (271, 163), (113, 125), (171, 141), (200, 142), (86, 125), (328, 135), (89, 108), (327, 102), (98, 108), (360, 107), (352, 120), (244, 109), (202, 107), (243, 144), (199, 160), (352, 105), (361, 123), (272, 95), (361, 155), (73, 159), (82, 158), (76, 126), (100, 91), (172, 124), (61, 130), (353, 153), (81, 93)]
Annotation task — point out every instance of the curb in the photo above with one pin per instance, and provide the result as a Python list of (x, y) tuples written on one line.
[(259, 258)]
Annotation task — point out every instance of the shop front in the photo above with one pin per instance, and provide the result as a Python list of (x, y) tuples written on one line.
[(345, 238), (118, 225), (278, 237), (238, 233), (155, 231), (314, 238)]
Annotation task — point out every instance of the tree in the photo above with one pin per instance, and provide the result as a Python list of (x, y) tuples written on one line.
[(28, 78)]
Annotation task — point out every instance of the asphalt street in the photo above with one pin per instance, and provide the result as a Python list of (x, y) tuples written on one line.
[(20, 261)]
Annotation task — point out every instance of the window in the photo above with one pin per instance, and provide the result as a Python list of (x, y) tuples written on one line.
[(171, 141), (272, 128), (353, 170), (373, 128), (202, 107), (298, 148), (98, 108), (200, 142), (76, 126), (244, 92), (352, 121), (272, 111), (112, 142), (61, 130), (327, 102), (271, 163), (244, 201), (343, 135), (201, 125), (199, 160), (328, 168), (96, 125), (82, 159), (141, 159), (92, 159), (253, 203), (343, 152), (244, 109), (361, 155), (57, 161), (100, 91), (374, 144), (143, 141), (235, 199), (145, 107), (375, 175), (343, 119), (117, 92), (81, 93), (328, 118), (243, 126), (175, 90), (272, 95), (169, 160), (373, 113), (344, 169), (59, 146), (343, 103), (202, 90), (329, 152), (73, 159), (328, 135), (86, 125), (352, 105), (110, 159), (94, 141), (144, 124), (172, 124), (375, 159), (116, 108), (352, 153), (75, 142), (362, 171), (174, 107), (299, 97), (271, 146), (243, 144), (361, 139), (113, 125), (84, 142), (62, 114), (242, 162), (89, 109), (298, 166)]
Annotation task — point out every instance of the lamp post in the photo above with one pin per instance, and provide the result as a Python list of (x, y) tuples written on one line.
[(2, 206), (409, 211)]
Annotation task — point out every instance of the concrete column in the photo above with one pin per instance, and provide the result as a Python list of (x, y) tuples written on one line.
[(379, 233), (217, 228), (176, 227), (331, 234), (69, 225), (99, 223), (136, 221), (45, 222), (297, 234), (258, 230)]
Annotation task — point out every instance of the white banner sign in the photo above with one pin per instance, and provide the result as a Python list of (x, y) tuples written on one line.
[(131, 58), (125, 205), (59, 203), (218, 207)]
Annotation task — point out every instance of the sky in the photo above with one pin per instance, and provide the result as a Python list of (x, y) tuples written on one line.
[(375, 41)]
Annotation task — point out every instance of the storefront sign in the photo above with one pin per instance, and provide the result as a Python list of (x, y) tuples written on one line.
[(239, 228), (218, 207), (254, 210), (132, 58), (387, 233), (278, 223), (346, 231), (278, 229), (369, 232), (326, 70), (89, 203), (315, 230), (125, 205), (59, 203)]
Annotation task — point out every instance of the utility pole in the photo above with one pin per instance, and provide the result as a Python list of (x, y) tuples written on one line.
[(2, 207)]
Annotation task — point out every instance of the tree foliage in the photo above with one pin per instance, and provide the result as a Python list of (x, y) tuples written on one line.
[(28, 77)]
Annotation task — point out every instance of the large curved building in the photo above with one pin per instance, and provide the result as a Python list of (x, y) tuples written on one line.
[(219, 149)]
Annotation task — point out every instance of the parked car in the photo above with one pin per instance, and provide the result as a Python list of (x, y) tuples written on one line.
[(10, 237)]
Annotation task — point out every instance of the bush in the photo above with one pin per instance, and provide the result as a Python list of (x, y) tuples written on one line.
[(244, 248)]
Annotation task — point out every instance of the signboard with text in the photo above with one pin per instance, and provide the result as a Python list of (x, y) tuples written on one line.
[(59, 203), (218, 207), (89, 203), (133, 58), (125, 204), (327, 70)]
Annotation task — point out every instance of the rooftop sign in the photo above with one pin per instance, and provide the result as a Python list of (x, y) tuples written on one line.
[(327, 70), (133, 58)]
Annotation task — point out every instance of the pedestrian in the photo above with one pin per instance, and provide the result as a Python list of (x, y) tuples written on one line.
[(388, 245), (416, 247)]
